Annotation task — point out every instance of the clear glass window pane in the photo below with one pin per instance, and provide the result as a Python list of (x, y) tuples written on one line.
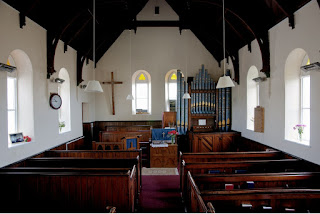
[(306, 92), (306, 121), (142, 104), (142, 90), (172, 91), (11, 93), (11, 122)]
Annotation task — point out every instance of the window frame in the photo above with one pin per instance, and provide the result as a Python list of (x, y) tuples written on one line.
[(169, 81), (135, 83), (302, 108), (15, 88)]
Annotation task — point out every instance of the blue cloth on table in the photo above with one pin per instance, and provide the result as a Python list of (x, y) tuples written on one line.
[(157, 134)]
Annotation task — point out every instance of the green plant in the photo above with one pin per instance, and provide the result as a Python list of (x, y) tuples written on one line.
[(61, 125)]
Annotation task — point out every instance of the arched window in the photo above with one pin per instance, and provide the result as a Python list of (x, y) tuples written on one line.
[(297, 97), (20, 96), (64, 111), (141, 88), (252, 96), (171, 90)]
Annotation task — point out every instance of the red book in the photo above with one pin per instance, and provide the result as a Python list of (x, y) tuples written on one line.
[(229, 186)]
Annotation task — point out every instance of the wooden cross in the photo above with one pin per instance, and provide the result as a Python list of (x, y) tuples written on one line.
[(112, 84)]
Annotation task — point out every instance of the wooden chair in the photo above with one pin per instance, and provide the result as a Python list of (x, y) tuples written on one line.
[(131, 143)]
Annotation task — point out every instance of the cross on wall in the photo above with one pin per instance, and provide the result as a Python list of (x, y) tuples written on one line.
[(112, 83)]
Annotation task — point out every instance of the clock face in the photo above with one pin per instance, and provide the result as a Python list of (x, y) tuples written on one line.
[(55, 101)]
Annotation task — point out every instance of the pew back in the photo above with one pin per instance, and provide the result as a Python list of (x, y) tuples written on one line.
[(66, 190), (301, 200), (117, 136)]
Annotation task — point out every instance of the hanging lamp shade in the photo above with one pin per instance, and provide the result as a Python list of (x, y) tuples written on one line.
[(93, 86), (186, 96), (225, 82), (130, 97)]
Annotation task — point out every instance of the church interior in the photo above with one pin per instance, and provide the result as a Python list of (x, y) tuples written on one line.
[(155, 106)]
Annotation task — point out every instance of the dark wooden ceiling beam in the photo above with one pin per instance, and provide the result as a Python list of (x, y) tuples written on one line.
[(78, 32), (52, 42), (24, 13), (286, 12)]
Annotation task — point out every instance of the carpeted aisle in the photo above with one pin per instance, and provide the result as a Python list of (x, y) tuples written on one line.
[(160, 194)]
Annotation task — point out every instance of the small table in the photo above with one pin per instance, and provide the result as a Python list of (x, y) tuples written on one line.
[(164, 156)]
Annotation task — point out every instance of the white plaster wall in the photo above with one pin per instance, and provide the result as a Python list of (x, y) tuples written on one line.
[(156, 50), (32, 40), (283, 40)]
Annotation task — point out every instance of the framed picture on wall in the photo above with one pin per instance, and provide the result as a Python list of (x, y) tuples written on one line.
[(16, 137)]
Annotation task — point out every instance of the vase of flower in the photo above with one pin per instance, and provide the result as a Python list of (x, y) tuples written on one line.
[(173, 135), (299, 128)]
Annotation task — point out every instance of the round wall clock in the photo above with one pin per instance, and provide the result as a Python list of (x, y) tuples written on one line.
[(55, 101)]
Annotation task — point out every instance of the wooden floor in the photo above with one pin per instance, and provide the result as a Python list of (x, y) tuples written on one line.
[(160, 194)]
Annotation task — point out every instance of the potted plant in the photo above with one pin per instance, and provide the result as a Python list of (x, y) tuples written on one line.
[(61, 125)]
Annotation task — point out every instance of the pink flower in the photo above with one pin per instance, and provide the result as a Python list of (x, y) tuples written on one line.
[(27, 138)]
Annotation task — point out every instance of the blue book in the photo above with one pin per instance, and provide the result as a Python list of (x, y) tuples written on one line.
[(240, 171), (250, 184), (213, 171)]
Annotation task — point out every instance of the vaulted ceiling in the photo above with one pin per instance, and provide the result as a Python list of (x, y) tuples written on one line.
[(72, 22)]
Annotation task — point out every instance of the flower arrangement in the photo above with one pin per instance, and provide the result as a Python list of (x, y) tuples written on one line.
[(61, 125), (300, 128), (26, 139), (173, 135)]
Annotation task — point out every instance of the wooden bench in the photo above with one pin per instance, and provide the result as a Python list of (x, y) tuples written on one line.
[(250, 166), (108, 146), (254, 200), (228, 182), (226, 156), (87, 163), (128, 128), (43, 189), (117, 136), (118, 154)]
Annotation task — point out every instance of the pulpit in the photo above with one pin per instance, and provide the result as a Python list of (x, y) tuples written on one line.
[(162, 152)]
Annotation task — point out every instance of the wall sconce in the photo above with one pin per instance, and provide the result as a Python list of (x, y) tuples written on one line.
[(8, 68), (82, 86), (57, 80)]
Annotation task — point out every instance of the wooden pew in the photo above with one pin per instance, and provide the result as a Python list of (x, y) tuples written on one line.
[(88, 163), (260, 180), (227, 156), (249, 166), (116, 136), (111, 154), (46, 189), (128, 128), (278, 199)]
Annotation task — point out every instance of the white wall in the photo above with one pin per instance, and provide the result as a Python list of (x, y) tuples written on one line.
[(32, 40), (283, 40), (156, 50)]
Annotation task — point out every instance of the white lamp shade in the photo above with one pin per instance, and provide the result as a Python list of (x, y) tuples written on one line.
[(130, 97), (225, 82), (93, 86), (186, 96)]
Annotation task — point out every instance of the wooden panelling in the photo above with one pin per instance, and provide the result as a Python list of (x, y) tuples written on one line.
[(62, 191), (105, 136), (101, 125), (214, 141), (164, 156)]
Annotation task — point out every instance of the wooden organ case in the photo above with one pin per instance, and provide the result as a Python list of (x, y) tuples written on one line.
[(209, 115)]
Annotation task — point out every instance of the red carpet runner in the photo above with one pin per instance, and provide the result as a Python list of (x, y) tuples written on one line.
[(160, 194)]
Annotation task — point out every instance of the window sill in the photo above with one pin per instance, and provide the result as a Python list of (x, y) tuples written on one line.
[(62, 132), (303, 142), (13, 145)]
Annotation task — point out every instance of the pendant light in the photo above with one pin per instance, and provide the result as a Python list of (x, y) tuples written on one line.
[(94, 85), (225, 81), (130, 97), (186, 95)]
